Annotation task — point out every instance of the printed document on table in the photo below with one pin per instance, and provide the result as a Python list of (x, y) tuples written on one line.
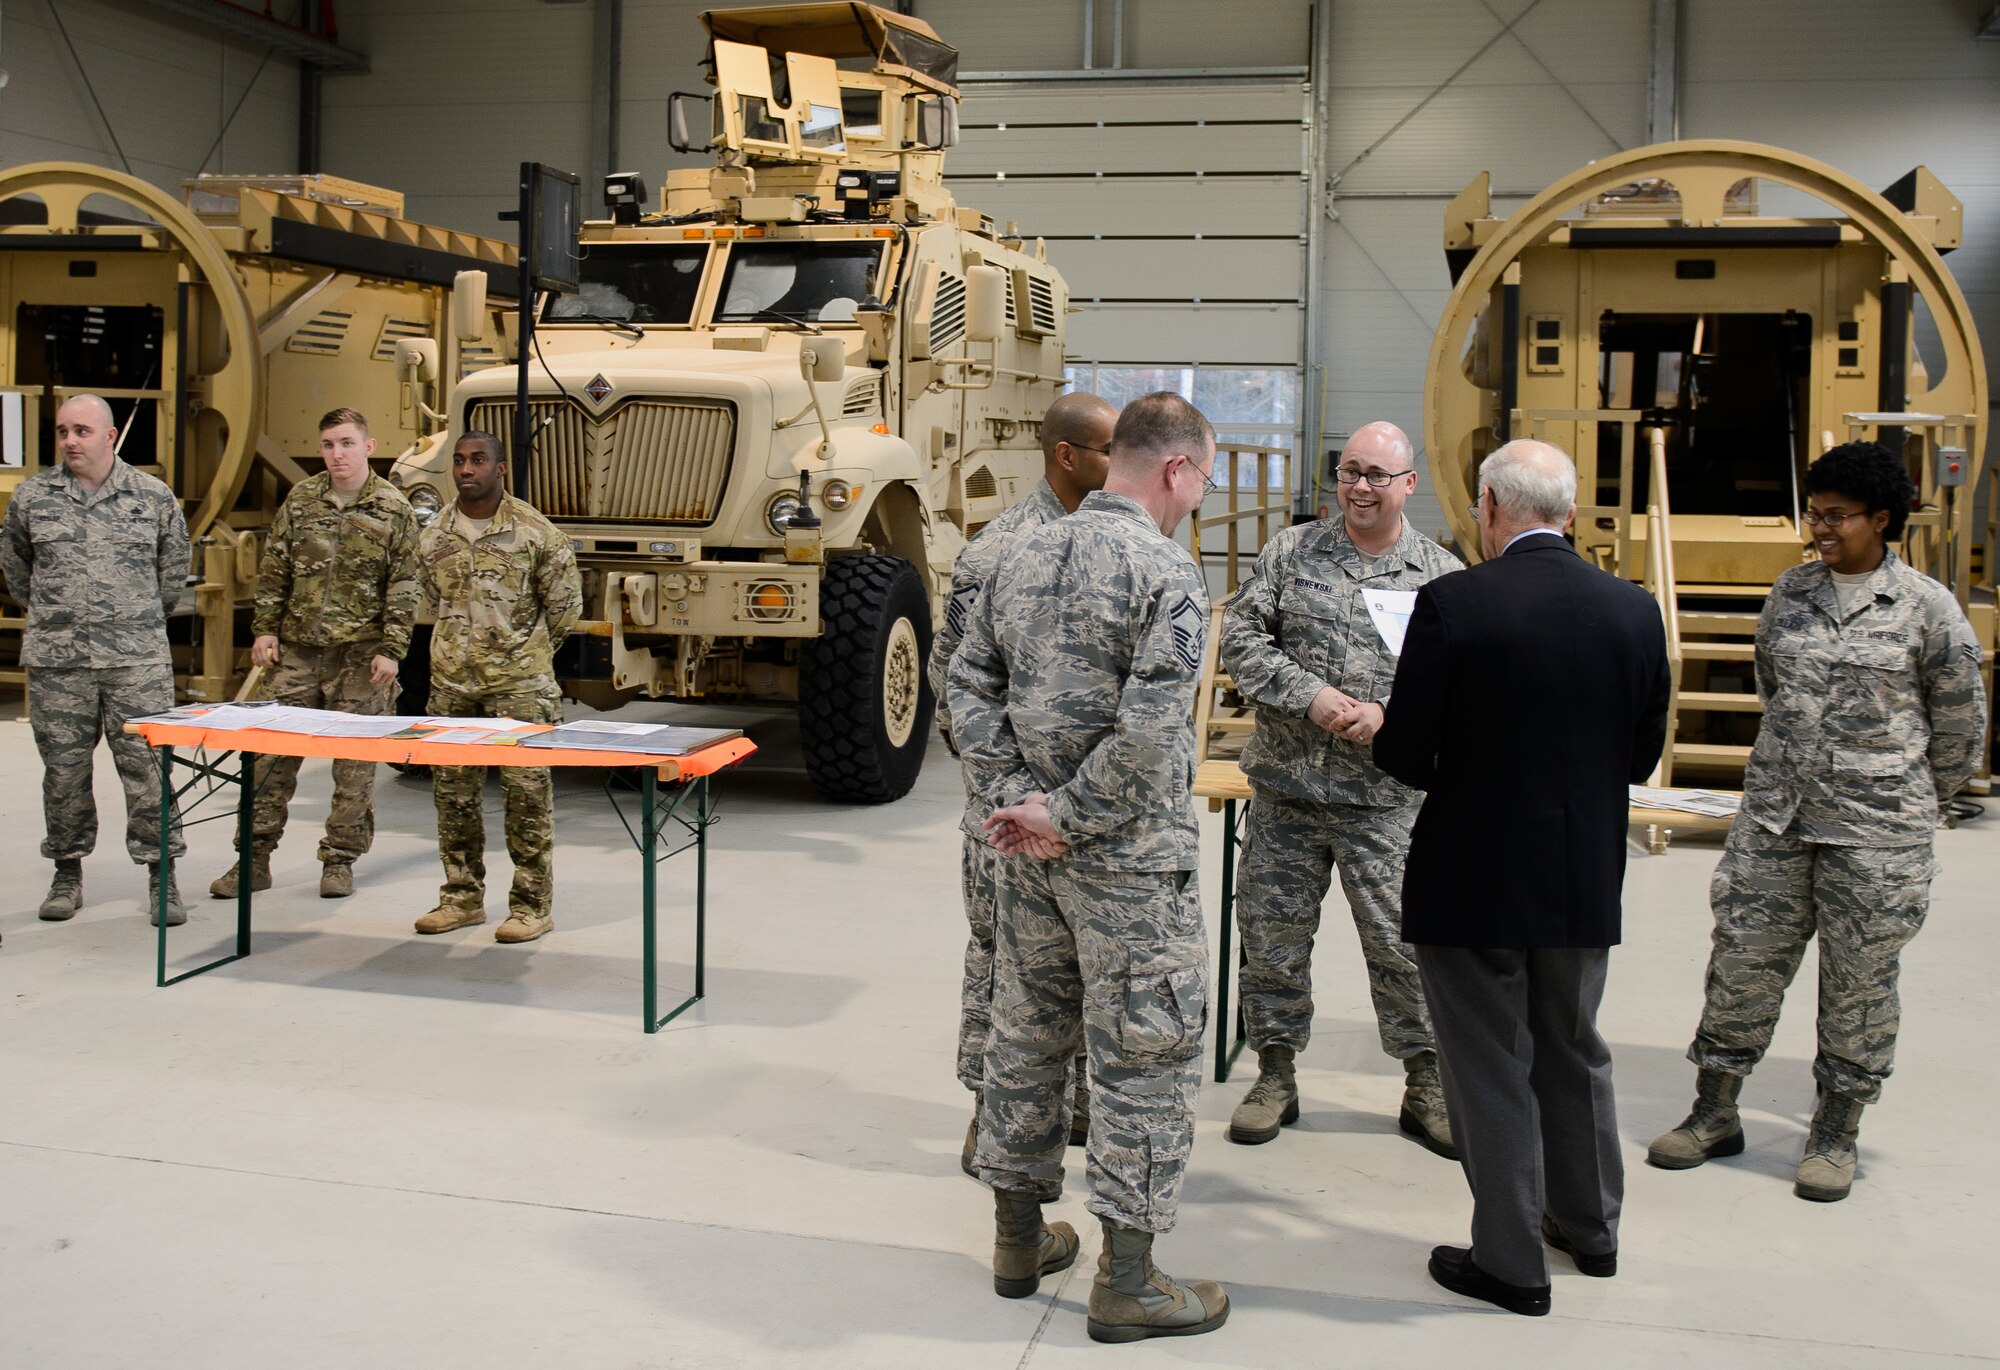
[(365, 725), (605, 725), (491, 725), (1391, 610), (235, 717)]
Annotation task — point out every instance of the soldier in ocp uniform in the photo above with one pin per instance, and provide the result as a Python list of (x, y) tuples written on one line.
[(1301, 645), (98, 552), (336, 596), (1072, 702), (506, 592), (1874, 715), (1076, 454)]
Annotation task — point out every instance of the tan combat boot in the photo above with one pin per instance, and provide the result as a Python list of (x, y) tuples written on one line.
[(177, 913), (523, 927), (65, 895), (1025, 1248), (1271, 1103), (1827, 1172), (1712, 1128), (224, 885), (445, 918), (336, 880), (1133, 1299), (1423, 1115)]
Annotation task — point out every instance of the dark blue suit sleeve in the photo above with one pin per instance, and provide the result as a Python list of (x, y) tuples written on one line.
[(1649, 731), (1407, 745)]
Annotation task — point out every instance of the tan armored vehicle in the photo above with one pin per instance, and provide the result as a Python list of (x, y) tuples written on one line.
[(1696, 354), (220, 327), (785, 393)]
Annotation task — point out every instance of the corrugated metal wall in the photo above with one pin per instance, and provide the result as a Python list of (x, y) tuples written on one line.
[(167, 87)]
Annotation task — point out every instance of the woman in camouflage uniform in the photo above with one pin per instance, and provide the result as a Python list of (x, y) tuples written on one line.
[(1874, 715)]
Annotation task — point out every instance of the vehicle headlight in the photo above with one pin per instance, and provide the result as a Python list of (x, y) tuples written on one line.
[(425, 501), (778, 513), (838, 494)]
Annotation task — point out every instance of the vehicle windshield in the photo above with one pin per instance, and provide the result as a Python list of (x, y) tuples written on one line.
[(817, 282), (633, 283)]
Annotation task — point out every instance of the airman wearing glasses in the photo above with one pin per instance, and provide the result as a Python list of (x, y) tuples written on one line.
[(1874, 715), (1303, 648)]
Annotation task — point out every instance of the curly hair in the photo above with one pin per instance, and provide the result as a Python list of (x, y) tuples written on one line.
[(1870, 473)]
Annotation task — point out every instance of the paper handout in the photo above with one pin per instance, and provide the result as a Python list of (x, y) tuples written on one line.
[(1391, 610)]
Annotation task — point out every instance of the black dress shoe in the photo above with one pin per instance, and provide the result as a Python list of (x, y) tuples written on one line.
[(1597, 1267), (1452, 1267)]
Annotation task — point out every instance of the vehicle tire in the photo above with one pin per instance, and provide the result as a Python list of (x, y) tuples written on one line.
[(865, 704), (413, 687)]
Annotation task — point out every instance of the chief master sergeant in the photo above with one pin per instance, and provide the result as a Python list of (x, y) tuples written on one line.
[(505, 589), (1076, 455), (98, 552), (336, 595), (1072, 701), (1300, 643)]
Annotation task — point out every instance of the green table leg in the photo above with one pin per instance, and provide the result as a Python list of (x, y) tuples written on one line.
[(650, 823), (1226, 1050), (246, 804), (166, 859)]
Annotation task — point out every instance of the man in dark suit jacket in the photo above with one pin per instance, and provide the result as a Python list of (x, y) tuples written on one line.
[(1532, 689)]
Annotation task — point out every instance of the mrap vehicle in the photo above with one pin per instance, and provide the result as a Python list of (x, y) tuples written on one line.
[(784, 394)]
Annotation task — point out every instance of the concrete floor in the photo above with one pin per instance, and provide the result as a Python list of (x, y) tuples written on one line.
[(362, 1148)]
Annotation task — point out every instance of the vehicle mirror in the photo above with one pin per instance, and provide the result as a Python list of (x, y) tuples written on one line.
[(937, 124), (468, 305), (823, 359), (680, 127), (417, 360), (985, 303)]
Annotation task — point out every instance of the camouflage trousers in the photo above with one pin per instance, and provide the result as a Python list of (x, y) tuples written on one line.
[(69, 709), (529, 795), (335, 677), (1291, 848), (1770, 895), (1116, 961), (978, 872)]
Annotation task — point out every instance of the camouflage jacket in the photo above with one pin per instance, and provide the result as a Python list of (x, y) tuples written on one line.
[(99, 572), (969, 576), (1076, 677), (1869, 720), (1299, 625), (503, 603), (331, 574)]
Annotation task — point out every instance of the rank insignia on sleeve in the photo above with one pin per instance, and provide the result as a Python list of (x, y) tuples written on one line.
[(1190, 631), (1971, 650), (963, 597)]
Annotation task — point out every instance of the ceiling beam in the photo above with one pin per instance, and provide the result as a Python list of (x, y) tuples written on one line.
[(252, 26)]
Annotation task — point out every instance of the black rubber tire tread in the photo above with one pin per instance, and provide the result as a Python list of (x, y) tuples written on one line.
[(848, 754)]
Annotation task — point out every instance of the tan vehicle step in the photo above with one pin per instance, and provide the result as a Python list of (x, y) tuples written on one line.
[(1723, 591), (1719, 701), (1718, 651), (1699, 621), (1710, 754)]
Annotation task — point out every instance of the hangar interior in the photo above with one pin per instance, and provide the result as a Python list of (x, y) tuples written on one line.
[(357, 1145)]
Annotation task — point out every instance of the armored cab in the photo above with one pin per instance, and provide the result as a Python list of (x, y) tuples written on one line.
[(220, 327), (1695, 352), (785, 393)]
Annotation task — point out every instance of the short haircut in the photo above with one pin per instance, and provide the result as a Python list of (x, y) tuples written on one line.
[(1526, 485), (1158, 426), (333, 418), (1071, 418), (1870, 473), (97, 402), (498, 448)]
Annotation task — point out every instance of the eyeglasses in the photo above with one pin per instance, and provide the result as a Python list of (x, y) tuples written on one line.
[(1814, 519), (1086, 447), (1377, 480), (1209, 484)]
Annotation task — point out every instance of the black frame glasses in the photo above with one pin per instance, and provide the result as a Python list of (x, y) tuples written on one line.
[(1377, 480)]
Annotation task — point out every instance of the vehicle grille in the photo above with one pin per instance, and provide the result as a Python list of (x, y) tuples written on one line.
[(651, 460)]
